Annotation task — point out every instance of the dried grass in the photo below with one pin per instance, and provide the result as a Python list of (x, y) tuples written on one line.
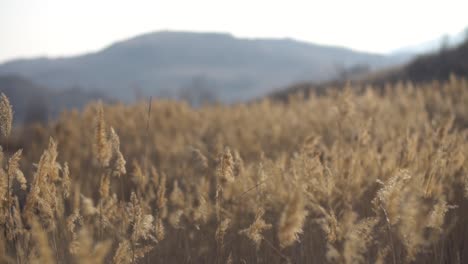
[(360, 176)]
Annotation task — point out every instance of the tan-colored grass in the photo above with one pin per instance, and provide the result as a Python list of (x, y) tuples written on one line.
[(354, 176)]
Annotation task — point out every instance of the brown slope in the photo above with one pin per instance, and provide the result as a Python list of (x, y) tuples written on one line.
[(436, 66)]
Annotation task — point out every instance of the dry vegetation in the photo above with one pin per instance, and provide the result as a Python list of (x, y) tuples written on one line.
[(354, 176)]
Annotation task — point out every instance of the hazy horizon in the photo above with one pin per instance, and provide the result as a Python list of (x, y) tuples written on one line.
[(56, 28)]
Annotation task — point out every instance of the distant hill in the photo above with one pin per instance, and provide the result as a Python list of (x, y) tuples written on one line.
[(32, 102), (183, 64), (434, 66)]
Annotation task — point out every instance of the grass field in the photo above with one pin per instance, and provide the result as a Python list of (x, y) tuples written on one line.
[(353, 176)]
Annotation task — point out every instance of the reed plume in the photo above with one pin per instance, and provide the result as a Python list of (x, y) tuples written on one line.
[(291, 220), (6, 115)]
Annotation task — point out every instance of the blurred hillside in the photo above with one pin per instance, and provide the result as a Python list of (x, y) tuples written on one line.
[(184, 65), (435, 66), (438, 65), (34, 103)]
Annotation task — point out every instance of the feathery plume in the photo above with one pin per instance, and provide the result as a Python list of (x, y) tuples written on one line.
[(13, 170), (225, 168), (72, 221), (119, 161), (291, 220), (142, 224), (66, 182), (101, 147), (123, 254), (6, 115), (254, 232)]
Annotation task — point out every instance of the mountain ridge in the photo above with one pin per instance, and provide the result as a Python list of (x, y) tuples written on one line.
[(168, 63)]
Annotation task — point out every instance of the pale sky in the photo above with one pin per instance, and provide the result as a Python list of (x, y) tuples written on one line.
[(59, 27)]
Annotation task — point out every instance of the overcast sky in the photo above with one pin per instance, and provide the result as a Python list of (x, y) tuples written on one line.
[(59, 27)]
